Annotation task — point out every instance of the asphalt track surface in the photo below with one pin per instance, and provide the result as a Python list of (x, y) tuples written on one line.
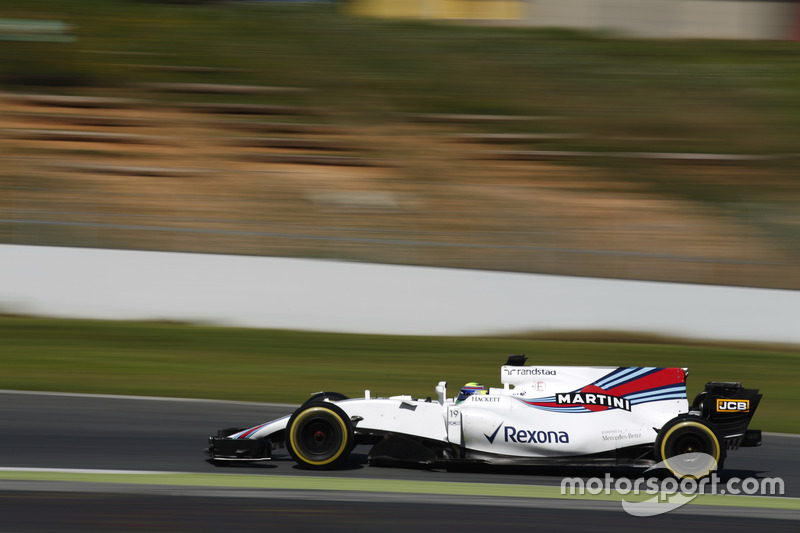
[(43, 431)]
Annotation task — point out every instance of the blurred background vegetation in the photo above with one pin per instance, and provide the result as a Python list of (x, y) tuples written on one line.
[(663, 95), (498, 148), (297, 130)]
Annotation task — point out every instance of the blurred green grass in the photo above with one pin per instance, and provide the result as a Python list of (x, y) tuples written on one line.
[(176, 360)]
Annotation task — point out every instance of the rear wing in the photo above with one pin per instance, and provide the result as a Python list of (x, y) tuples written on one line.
[(730, 407)]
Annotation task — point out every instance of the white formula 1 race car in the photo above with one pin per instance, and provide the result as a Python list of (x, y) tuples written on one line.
[(543, 415)]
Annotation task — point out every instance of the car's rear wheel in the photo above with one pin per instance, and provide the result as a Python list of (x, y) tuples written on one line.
[(690, 446), (319, 435)]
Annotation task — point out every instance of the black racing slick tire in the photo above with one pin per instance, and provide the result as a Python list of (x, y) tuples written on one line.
[(690, 446), (319, 436)]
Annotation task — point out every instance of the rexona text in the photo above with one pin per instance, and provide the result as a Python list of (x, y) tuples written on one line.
[(524, 436), (593, 398)]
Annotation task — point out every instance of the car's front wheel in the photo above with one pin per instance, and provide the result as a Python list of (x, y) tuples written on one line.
[(319, 435)]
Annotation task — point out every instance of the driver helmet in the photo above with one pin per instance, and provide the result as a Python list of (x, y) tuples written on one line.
[(469, 389)]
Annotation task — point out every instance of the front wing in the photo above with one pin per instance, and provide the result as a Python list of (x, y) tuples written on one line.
[(222, 448)]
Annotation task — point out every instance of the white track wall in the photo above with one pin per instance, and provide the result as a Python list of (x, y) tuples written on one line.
[(315, 295), (696, 19)]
